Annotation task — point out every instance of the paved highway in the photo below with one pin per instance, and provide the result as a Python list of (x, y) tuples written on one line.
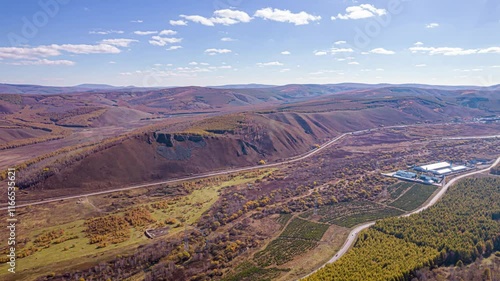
[(354, 233), (225, 172), (295, 159)]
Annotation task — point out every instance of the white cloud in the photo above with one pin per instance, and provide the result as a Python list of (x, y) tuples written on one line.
[(195, 69), (320, 72), (105, 32), (362, 11), (382, 51), (469, 70), (87, 49), (285, 70), (340, 43), (225, 67), (421, 65), (45, 62), (27, 53), (341, 50), (353, 63), (118, 42), (286, 53), (320, 53), (162, 41), (198, 19), (178, 22), (126, 73), (272, 63), (491, 50), (432, 25), (193, 63), (137, 21), (418, 43), (224, 17), (278, 15), (317, 73), (217, 51), (495, 66), (238, 16), (453, 51), (168, 32), (227, 39), (379, 69), (55, 50), (172, 48), (145, 32), (112, 62)]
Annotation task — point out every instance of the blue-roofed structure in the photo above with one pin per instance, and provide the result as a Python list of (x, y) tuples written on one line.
[(405, 174)]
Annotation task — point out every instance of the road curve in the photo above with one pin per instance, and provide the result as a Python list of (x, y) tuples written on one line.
[(291, 160), (225, 172), (354, 233)]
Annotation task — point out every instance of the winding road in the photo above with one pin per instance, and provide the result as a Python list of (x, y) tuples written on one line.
[(291, 160), (354, 233), (225, 172)]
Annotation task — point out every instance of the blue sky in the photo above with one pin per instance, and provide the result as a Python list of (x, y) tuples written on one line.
[(216, 42)]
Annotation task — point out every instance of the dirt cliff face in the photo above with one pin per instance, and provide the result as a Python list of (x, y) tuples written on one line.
[(160, 156)]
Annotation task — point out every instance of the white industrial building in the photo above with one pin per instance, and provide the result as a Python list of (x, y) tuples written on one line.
[(441, 168), (458, 168), (443, 171), (435, 166)]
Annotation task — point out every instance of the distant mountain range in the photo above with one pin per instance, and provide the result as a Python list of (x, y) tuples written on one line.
[(53, 90), (243, 86), (84, 88), (99, 86)]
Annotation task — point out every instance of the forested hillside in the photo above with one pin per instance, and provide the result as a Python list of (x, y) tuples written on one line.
[(460, 228)]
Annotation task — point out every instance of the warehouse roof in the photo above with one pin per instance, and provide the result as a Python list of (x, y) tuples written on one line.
[(458, 168), (443, 171), (436, 166)]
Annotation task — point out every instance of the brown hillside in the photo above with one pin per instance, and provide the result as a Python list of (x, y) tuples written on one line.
[(162, 155)]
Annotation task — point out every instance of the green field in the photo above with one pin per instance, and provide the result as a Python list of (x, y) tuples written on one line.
[(352, 220), (282, 250), (397, 189), (349, 214), (298, 237), (283, 219), (413, 198), (247, 271), (303, 229)]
